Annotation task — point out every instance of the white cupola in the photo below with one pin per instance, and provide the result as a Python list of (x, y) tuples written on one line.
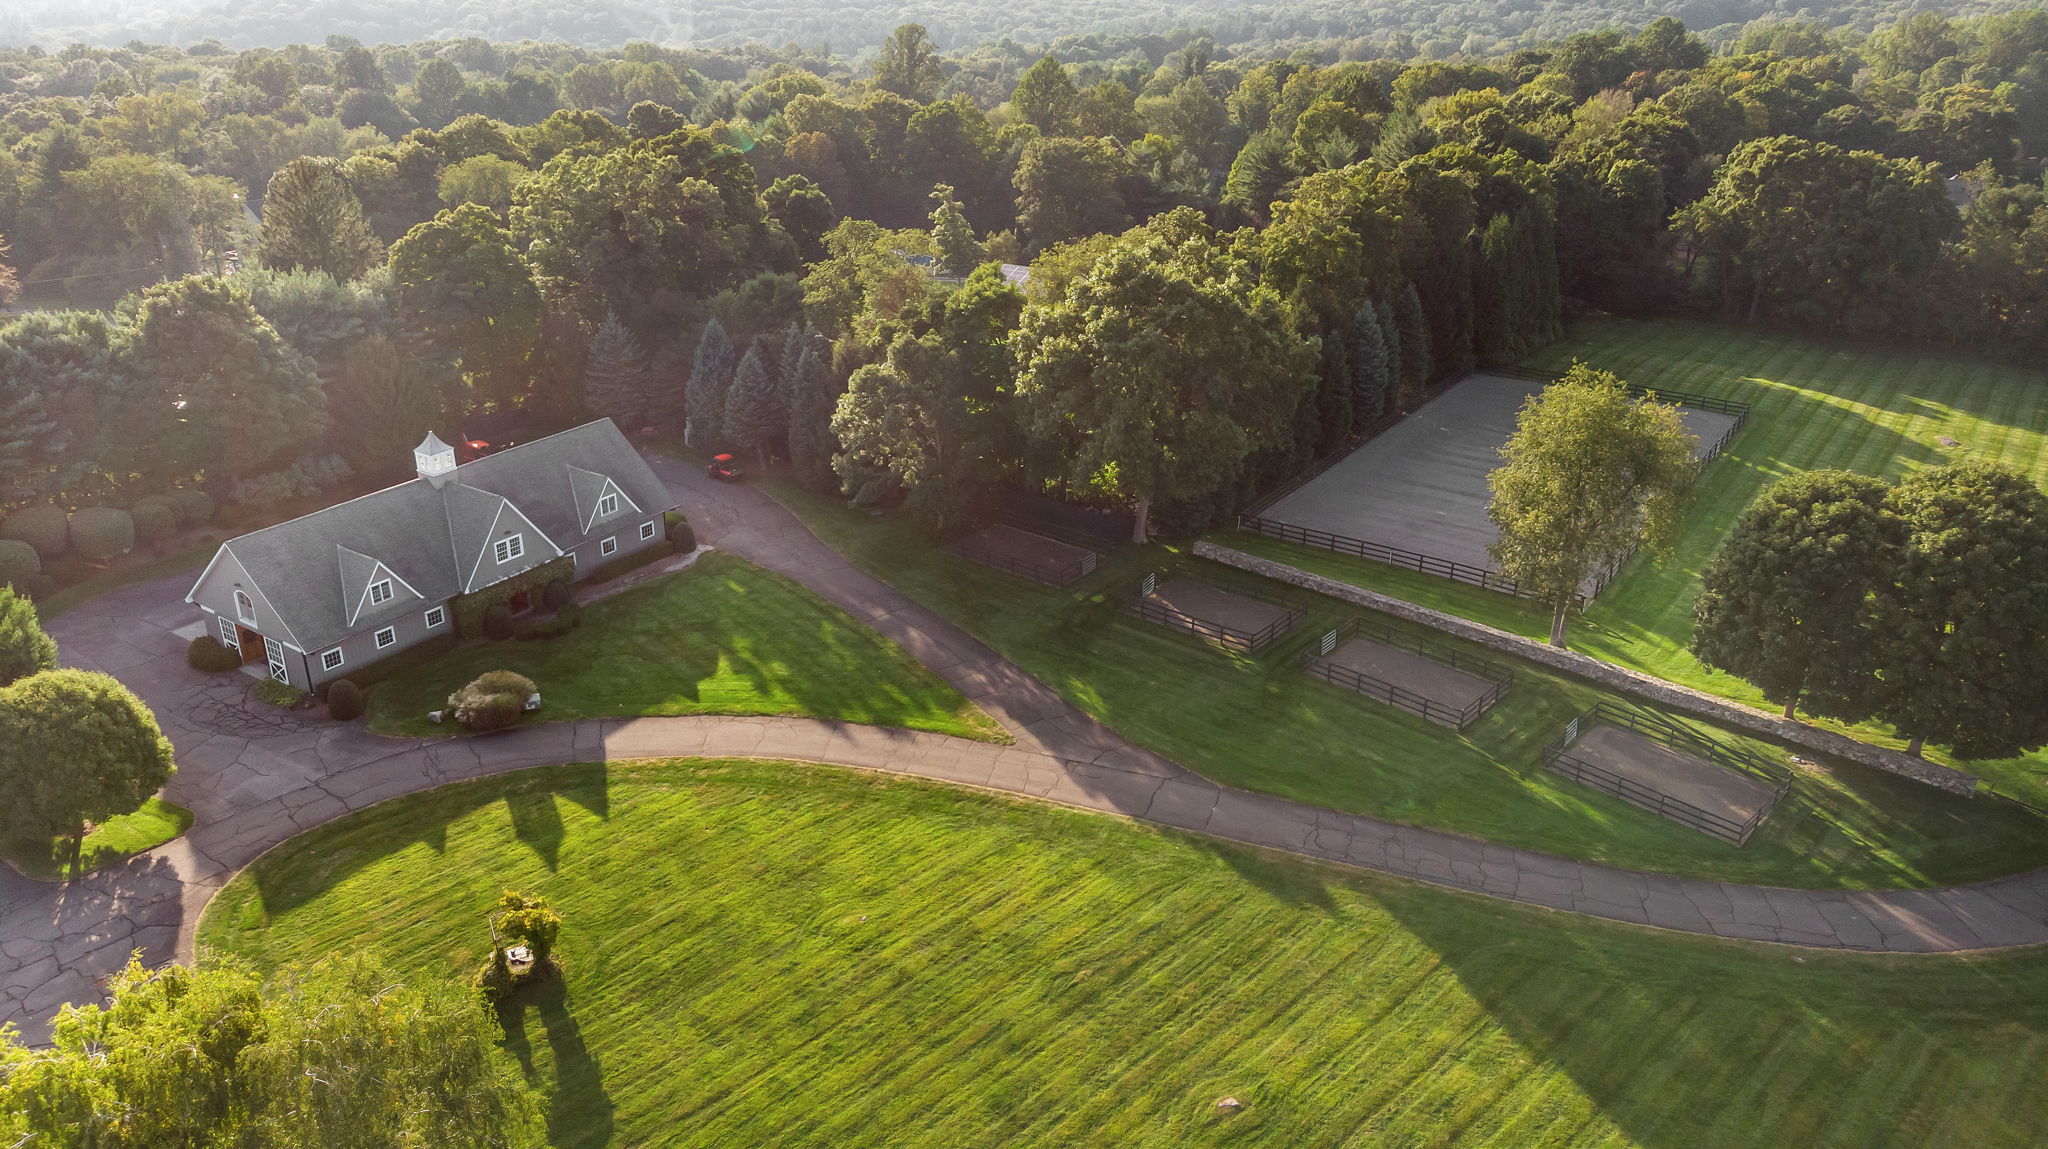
[(433, 459)]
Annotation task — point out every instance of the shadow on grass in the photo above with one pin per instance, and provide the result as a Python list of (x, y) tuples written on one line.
[(580, 1111), (288, 878)]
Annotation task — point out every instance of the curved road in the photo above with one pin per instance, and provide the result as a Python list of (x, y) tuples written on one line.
[(255, 777)]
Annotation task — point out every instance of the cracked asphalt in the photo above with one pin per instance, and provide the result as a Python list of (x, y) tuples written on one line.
[(252, 782)]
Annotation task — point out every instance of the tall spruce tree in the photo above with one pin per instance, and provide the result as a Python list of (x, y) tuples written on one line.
[(615, 375), (959, 252), (753, 406), (1416, 358), (668, 381), (1335, 393), (313, 222), (813, 398), (1369, 363), (710, 378)]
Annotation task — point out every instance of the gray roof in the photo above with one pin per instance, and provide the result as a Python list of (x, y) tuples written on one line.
[(314, 569)]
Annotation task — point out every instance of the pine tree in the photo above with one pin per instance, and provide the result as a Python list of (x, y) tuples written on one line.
[(959, 252), (710, 378), (1334, 395), (1390, 337), (814, 396), (1370, 373), (615, 375), (1417, 361), (753, 409), (313, 222), (668, 379)]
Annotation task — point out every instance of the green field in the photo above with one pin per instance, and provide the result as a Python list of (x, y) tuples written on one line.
[(1814, 405), (123, 836), (722, 637), (768, 954), (1261, 724)]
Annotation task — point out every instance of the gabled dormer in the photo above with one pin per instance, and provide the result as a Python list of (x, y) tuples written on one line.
[(369, 588), (598, 498), (492, 537)]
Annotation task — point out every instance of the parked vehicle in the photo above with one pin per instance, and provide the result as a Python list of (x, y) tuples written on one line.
[(724, 468)]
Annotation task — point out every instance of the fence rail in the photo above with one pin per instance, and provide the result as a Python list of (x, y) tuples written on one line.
[(1502, 677), (1663, 731), (1693, 399), (1393, 556), (1223, 634), (1053, 573)]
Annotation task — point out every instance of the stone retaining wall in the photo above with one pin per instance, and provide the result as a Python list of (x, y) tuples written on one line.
[(1668, 694)]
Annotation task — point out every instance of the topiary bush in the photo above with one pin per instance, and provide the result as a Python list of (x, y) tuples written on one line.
[(195, 508), (559, 593), (344, 700), (19, 564), (44, 527), (165, 501), (100, 533), (682, 536), (493, 702), (498, 622), (154, 522), (211, 655)]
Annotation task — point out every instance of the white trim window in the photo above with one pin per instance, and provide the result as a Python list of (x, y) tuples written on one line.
[(607, 506), (435, 616), (609, 547), (509, 548), (332, 659), (230, 634), (380, 592), (386, 637), (646, 531), (245, 608)]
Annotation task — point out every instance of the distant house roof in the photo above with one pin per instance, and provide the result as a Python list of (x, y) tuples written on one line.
[(316, 569), (1017, 274)]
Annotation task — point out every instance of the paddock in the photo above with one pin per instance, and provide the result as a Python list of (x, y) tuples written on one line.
[(1666, 771), (1223, 617), (1416, 495), (1430, 679), (1025, 554)]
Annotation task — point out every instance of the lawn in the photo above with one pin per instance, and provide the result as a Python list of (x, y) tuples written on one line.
[(1814, 405), (722, 637), (1259, 723), (113, 840), (770, 954)]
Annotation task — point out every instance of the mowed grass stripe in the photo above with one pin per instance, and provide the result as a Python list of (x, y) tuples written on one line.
[(723, 991)]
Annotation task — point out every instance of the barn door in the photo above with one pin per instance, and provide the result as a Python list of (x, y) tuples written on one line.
[(275, 650)]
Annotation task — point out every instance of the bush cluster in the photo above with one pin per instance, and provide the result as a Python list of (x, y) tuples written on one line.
[(102, 533), (344, 700), (19, 564), (44, 527), (559, 593), (211, 655), (493, 702), (498, 625), (311, 476)]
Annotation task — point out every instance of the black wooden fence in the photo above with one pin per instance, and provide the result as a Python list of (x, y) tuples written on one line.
[(1221, 633), (1502, 677), (1557, 757), (1053, 572)]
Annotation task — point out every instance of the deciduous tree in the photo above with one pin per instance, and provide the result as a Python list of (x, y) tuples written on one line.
[(908, 64), (1589, 475), (76, 747), (465, 288)]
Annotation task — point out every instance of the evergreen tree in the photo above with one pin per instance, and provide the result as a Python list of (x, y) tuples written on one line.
[(753, 407), (615, 376), (24, 647), (668, 380), (710, 378), (813, 397), (1334, 395), (1369, 363), (313, 222), (1390, 339), (1416, 364), (1258, 176), (959, 252)]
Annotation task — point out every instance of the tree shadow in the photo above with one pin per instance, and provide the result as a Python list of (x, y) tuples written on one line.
[(580, 1111)]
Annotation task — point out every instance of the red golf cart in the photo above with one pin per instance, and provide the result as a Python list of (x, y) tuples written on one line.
[(724, 468)]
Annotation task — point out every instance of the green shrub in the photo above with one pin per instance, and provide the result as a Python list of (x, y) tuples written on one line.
[(279, 694), (195, 508), (629, 563), (154, 521), (100, 533), (211, 655), (19, 564), (494, 701), (469, 608), (25, 648), (498, 622), (165, 501), (344, 700), (44, 527), (566, 619), (682, 536), (559, 593)]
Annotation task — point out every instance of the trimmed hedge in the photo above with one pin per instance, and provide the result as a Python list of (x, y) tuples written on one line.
[(44, 527), (211, 655), (682, 536), (19, 564), (100, 533), (559, 593), (344, 700), (154, 521), (629, 563), (498, 624), (195, 508), (566, 619), (469, 608)]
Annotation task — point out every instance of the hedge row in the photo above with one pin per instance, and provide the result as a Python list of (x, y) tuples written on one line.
[(469, 608)]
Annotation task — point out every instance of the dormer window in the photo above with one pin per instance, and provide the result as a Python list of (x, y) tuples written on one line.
[(608, 506), (244, 608), (509, 548), (380, 592)]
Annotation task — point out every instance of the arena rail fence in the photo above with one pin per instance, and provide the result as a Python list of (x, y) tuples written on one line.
[(1557, 757), (1051, 573), (1223, 634), (1314, 662)]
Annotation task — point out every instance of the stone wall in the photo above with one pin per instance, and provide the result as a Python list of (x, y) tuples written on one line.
[(1656, 690)]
